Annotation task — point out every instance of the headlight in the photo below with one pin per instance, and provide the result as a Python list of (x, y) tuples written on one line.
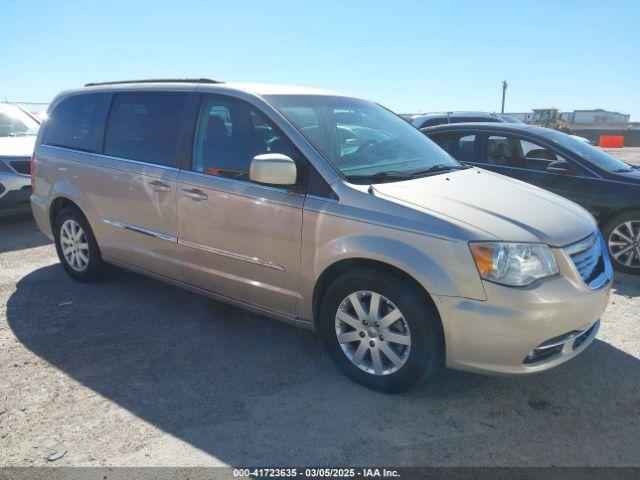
[(513, 264)]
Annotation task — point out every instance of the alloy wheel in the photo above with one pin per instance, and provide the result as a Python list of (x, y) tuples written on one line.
[(372, 333), (74, 245), (624, 244)]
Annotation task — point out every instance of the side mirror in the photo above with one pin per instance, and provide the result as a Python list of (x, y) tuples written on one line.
[(273, 169), (559, 166)]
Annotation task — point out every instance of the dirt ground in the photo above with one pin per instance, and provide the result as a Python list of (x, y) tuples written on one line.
[(627, 154), (133, 372)]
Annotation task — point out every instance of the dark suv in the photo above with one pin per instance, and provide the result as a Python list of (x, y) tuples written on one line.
[(563, 164), (433, 119)]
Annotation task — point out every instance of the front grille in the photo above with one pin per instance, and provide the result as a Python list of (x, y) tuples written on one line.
[(588, 257), (21, 166)]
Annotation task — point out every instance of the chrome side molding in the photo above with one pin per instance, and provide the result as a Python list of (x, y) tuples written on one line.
[(144, 231), (198, 246), (230, 254)]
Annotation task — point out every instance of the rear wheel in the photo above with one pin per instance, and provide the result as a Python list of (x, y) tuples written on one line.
[(622, 234), (381, 332), (76, 246)]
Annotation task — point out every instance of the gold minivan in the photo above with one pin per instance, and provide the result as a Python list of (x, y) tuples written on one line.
[(325, 211)]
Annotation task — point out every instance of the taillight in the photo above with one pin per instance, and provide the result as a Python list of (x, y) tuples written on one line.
[(32, 165)]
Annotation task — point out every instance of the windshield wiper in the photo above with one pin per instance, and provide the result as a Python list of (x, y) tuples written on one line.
[(387, 175), (397, 175), (440, 167)]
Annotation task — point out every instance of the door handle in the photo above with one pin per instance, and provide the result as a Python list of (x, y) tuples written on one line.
[(159, 186), (194, 193)]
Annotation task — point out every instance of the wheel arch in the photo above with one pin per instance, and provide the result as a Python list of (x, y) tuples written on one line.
[(340, 267), (58, 204), (613, 213), (63, 201)]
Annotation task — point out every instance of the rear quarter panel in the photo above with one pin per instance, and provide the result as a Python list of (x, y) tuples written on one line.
[(60, 173)]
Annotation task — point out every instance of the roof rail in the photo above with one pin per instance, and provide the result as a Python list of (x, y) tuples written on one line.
[(157, 80)]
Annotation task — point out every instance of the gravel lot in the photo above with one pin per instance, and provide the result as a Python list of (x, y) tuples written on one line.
[(132, 372)]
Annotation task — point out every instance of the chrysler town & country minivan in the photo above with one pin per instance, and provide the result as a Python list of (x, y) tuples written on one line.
[(325, 211)]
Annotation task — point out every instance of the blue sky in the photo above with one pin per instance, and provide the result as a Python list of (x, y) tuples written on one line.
[(407, 55)]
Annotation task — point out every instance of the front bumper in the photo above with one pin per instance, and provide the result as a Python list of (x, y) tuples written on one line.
[(15, 190), (506, 333)]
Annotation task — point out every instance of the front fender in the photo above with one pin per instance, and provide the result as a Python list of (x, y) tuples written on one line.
[(442, 267), (428, 272)]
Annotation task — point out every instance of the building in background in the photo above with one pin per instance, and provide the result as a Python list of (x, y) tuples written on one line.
[(596, 117)]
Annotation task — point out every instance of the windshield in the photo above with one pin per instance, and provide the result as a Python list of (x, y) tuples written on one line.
[(14, 122), (591, 154), (364, 141)]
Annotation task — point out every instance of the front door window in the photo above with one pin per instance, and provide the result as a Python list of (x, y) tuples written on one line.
[(507, 151)]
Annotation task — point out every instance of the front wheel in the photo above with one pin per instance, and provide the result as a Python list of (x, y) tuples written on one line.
[(622, 234), (381, 332)]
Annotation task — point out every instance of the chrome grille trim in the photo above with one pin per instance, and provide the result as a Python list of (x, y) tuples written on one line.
[(582, 245), (591, 260)]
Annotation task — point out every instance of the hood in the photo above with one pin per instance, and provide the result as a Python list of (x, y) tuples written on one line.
[(500, 207), (17, 146), (630, 177)]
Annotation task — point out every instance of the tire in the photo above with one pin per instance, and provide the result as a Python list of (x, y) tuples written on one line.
[(418, 320), (622, 236), (85, 264)]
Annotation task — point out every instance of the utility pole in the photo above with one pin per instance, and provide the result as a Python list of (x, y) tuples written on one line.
[(504, 91)]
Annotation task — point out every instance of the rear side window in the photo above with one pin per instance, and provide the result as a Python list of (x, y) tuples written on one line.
[(146, 127), (78, 122), (473, 119), (432, 122), (460, 146)]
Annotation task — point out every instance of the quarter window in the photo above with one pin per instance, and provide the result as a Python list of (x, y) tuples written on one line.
[(78, 122), (516, 152), (229, 135), (146, 127), (460, 146)]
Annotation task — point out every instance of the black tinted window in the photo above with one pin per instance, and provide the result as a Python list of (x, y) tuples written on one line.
[(460, 146), (434, 121), (473, 119), (78, 122), (146, 127), (516, 152), (229, 135)]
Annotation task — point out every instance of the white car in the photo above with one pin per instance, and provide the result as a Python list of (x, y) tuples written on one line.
[(18, 131)]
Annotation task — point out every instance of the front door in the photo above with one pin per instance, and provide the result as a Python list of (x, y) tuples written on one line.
[(236, 237), (529, 161)]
